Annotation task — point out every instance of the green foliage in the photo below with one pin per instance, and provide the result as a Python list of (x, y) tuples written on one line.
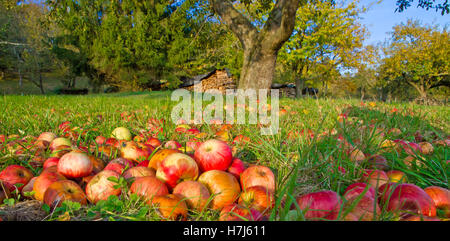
[(327, 39), (417, 57)]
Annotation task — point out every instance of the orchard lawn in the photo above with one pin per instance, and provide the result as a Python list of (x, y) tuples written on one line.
[(310, 153)]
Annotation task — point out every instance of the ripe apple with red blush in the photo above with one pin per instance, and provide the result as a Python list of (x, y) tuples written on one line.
[(63, 190), (16, 176), (75, 164), (213, 155)]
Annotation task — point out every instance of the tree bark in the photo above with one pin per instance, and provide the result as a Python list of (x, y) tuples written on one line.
[(260, 47)]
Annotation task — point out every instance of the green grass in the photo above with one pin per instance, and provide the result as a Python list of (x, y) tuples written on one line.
[(300, 163)]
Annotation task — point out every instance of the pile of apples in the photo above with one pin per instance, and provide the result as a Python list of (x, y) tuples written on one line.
[(168, 179)]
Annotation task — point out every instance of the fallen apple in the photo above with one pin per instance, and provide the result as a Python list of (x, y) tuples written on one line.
[(59, 141), (44, 180), (258, 176), (148, 187), (176, 168), (159, 156), (63, 190), (319, 205), (375, 178), (195, 194), (396, 176), (75, 164), (139, 171), (121, 133), (100, 188), (440, 197), (236, 168), (257, 197), (223, 186), (16, 175), (170, 207), (236, 212), (410, 198), (213, 155)]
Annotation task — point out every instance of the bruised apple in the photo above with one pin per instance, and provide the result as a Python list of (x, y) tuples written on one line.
[(213, 155), (170, 207), (320, 205), (236, 212), (194, 193), (148, 187), (75, 164), (47, 136), (139, 171), (357, 189), (176, 168), (222, 185), (100, 188), (257, 197), (16, 176), (44, 180), (131, 151), (258, 176), (159, 156), (63, 190)]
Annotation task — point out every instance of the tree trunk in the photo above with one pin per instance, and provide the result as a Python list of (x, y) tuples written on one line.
[(258, 68), (299, 84), (41, 85)]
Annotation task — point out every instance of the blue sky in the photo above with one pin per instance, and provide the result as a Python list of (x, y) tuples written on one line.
[(380, 18)]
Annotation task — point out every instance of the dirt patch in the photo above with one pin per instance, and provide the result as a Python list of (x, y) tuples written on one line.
[(23, 211)]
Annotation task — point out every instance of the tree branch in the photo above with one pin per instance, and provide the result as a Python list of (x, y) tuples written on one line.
[(281, 23), (236, 21)]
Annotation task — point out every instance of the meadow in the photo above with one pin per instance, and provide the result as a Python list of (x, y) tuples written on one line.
[(306, 155)]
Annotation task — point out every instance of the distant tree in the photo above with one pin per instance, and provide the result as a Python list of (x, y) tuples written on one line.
[(444, 6), (327, 38), (417, 56)]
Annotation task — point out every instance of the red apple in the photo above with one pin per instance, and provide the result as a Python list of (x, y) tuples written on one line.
[(170, 207), (194, 193), (258, 176), (148, 187), (75, 164), (366, 209), (43, 181), (60, 151), (411, 217), (100, 188), (153, 142), (97, 164), (172, 145), (213, 155), (176, 168), (257, 197), (236, 212), (29, 186), (16, 175), (408, 197), (52, 161), (223, 186), (159, 156), (375, 178), (440, 197), (139, 171), (119, 165), (144, 163), (236, 168), (320, 205), (131, 151), (63, 190), (357, 189), (100, 140)]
